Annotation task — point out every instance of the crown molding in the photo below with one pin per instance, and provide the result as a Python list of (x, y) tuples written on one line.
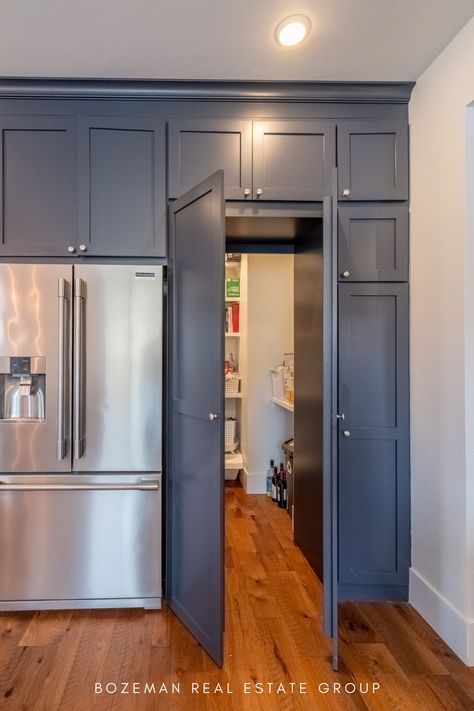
[(144, 89)]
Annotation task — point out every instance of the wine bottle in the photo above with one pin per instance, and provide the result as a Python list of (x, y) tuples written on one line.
[(279, 487), (284, 491), (280, 494), (274, 484), (269, 483)]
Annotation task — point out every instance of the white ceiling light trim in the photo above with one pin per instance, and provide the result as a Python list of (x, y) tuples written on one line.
[(292, 30)]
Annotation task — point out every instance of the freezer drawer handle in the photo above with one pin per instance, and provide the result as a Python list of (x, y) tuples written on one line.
[(145, 485), (79, 302), (63, 367)]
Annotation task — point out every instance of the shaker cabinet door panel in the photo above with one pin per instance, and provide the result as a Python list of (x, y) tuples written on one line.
[(198, 148), (373, 437), (292, 160), (37, 186), (122, 203), (372, 160), (373, 242)]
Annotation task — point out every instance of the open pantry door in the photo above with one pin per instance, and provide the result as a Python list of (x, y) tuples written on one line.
[(331, 418), (195, 477)]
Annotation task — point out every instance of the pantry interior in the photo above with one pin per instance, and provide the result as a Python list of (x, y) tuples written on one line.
[(274, 363)]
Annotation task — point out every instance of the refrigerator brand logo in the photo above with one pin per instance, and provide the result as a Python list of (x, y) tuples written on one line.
[(145, 275)]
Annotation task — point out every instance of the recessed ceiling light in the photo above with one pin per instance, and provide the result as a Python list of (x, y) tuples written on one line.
[(292, 30)]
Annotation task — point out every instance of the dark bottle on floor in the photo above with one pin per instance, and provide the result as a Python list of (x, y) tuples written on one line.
[(274, 484), (280, 486), (283, 491)]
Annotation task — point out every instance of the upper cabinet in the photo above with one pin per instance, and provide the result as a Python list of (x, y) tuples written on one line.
[(121, 176), (373, 242), (372, 160), (292, 160), (37, 186), (266, 160), (198, 148)]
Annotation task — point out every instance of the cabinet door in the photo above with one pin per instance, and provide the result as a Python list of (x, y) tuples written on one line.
[(195, 477), (198, 148), (37, 186), (292, 160), (122, 202), (372, 160), (373, 437), (373, 242)]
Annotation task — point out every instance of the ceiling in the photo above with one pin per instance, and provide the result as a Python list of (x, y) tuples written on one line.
[(352, 40)]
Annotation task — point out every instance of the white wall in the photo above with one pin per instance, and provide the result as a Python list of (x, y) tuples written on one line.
[(442, 346), (269, 334)]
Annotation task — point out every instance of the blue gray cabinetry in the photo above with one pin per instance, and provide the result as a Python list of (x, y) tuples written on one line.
[(292, 160), (198, 148), (373, 242), (373, 440), (279, 160), (37, 185), (372, 160), (121, 175)]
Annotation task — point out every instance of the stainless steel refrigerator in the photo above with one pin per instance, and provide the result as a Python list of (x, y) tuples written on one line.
[(80, 435)]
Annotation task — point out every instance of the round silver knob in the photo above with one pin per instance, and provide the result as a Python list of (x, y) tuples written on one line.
[(213, 416), (345, 274), (83, 247), (247, 192), (346, 192), (71, 249), (346, 433), (259, 192)]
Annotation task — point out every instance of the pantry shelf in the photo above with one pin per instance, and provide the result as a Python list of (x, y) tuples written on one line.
[(284, 403), (233, 396), (232, 335)]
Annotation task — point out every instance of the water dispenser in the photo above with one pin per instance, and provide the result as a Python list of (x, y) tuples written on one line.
[(22, 388)]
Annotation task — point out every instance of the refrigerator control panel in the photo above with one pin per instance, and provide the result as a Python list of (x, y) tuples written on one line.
[(20, 365)]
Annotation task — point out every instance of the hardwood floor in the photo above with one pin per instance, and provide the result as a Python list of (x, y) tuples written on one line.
[(51, 661)]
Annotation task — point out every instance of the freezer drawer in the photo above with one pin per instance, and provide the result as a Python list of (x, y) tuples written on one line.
[(80, 538)]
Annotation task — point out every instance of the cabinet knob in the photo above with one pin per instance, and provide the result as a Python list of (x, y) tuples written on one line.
[(83, 248), (71, 248), (259, 192), (247, 192), (345, 275), (346, 192), (346, 433), (213, 416)]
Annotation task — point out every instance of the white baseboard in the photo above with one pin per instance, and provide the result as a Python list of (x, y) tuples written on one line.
[(254, 482), (451, 625)]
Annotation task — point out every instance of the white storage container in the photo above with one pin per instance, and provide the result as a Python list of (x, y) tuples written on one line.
[(230, 439), (232, 384), (278, 382)]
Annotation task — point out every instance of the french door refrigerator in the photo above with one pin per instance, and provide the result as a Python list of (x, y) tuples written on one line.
[(80, 435)]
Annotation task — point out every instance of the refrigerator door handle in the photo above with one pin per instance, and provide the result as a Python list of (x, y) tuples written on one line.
[(144, 485), (63, 367), (79, 365)]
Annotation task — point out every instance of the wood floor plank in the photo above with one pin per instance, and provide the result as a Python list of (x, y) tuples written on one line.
[(46, 627)]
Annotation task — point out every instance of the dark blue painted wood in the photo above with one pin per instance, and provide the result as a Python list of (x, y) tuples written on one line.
[(293, 160), (287, 91), (373, 242), (374, 460), (199, 147), (37, 185), (195, 537), (372, 160), (122, 207)]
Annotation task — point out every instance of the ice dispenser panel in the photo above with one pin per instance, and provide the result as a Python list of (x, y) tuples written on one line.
[(22, 388)]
